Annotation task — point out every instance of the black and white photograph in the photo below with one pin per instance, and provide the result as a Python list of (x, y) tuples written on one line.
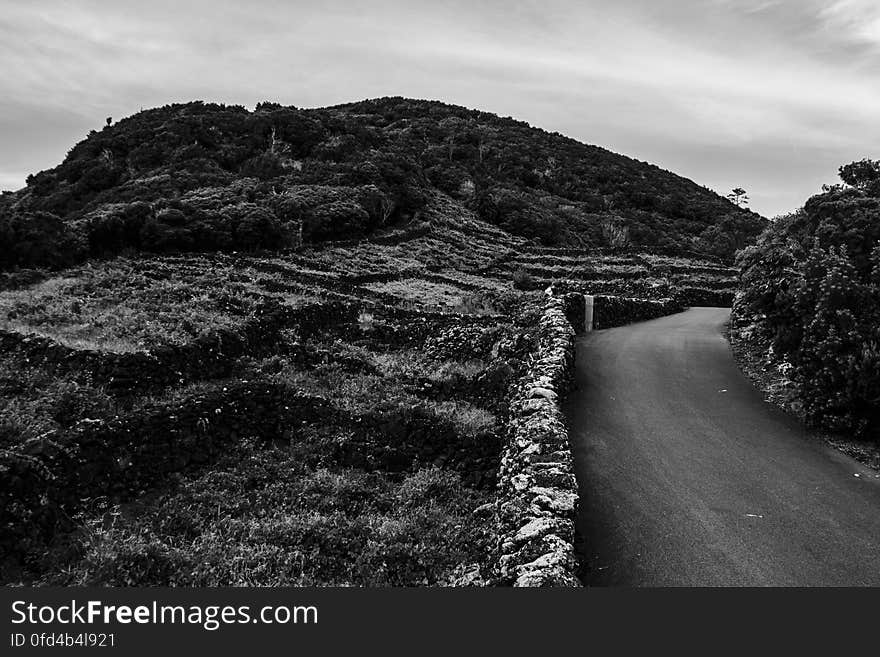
[(438, 294)]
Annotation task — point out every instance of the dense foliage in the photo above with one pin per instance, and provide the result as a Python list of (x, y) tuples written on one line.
[(812, 286), (208, 177)]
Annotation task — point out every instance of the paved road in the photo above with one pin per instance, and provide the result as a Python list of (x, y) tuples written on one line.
[(688, 477)]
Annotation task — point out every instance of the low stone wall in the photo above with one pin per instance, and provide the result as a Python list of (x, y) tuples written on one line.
[(610, 311), (634, 288), (212, 356), (672, 251), (398, 437), (699, 296), (537, 487), (46, 480), (43, 481), (208, 356), (462, 341)]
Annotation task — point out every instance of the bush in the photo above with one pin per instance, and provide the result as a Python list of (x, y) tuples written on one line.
[(38, 239), (522, 280), (264, 166), (335, 220), (838, 359), (334, 212), (75, 402), (811, 285)]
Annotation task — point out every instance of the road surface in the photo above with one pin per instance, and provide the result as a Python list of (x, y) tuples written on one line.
[(688, 477)]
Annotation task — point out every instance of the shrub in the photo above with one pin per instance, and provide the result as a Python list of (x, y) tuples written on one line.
[(615, 234), (334, 212), (264, 166), (339, 219), (838, 359), (811, 285), (38, 239), (522, 280), (75, 402)]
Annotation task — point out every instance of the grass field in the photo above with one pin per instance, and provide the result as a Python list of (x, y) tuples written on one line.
[(127, 305)]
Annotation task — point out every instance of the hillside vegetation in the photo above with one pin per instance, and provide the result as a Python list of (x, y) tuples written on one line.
[(210, 177), (811, 293)]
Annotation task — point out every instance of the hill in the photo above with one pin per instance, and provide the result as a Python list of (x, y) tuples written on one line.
[(209, 177), (280, 347)]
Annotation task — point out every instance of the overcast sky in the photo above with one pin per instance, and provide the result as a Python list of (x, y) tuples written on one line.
[(769, 95)]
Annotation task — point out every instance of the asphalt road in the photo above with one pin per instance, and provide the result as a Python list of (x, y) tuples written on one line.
[(688, 477)]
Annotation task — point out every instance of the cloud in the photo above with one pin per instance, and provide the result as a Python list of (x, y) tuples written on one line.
[(858, 19), (721, 91)]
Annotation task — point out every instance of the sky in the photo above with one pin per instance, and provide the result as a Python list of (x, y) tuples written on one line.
[(769, 95)]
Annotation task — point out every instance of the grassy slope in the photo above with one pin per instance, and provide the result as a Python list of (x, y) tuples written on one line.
[(288, 512)]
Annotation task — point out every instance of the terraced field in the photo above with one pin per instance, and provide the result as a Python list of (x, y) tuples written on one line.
[(332, 415), (693, 281)]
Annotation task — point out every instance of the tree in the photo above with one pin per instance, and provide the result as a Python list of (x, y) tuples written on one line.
[(738, 196), (862, 174)]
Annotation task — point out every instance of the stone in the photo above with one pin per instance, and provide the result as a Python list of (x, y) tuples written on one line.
[(547, 577), (536, 529), (467, 575), (555, 478), (533, 405), (546, 393), (521, 482), (553, 499), (484, 510)]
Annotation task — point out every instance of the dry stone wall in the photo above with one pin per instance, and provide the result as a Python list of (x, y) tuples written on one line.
[(207, 356), (537, 487), (610, 311), (538, 493), (213, 355), (704, 296), (44, 480)]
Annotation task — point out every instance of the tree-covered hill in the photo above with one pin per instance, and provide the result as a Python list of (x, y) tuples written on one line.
[(207, 177)]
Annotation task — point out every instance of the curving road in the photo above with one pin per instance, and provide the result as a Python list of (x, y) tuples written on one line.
[(688, 477)]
